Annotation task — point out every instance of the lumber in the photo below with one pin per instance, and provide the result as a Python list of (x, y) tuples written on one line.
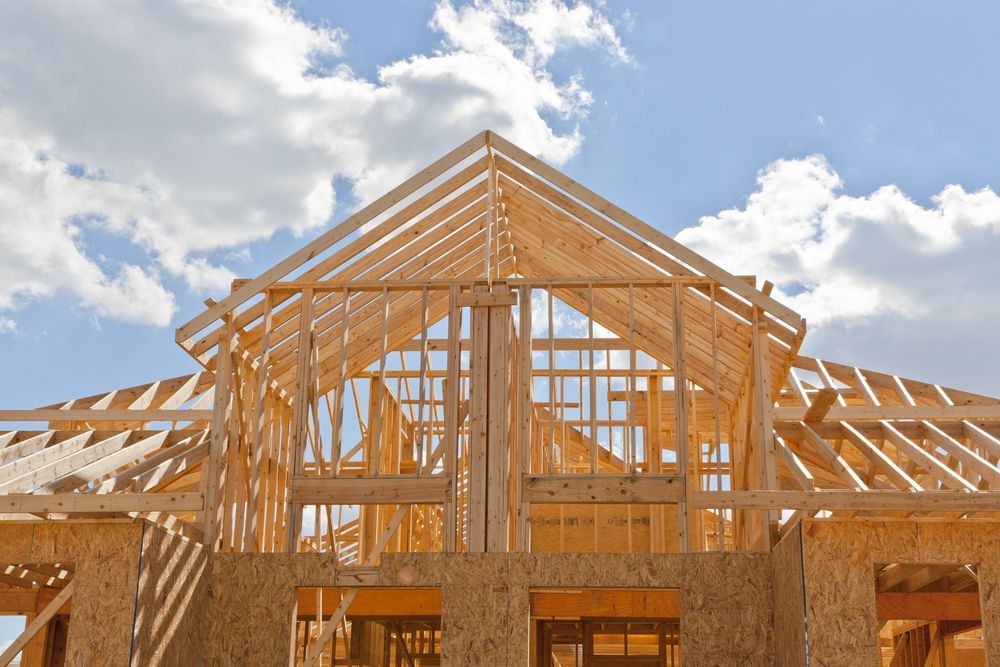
[(604, 488)]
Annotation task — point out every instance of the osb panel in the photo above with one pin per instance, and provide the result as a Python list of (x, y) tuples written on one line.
[(787, 600), (251, 601), (840, 595), (725, 598), (621, 528), (172, 596), (840, 557), (106, 559), (15, 542), (989, 603), (600, 570), (726, 609)]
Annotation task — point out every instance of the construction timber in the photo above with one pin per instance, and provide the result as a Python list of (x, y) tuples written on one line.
[(492, 418)]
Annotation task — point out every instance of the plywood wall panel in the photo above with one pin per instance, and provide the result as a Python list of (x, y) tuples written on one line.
[(788, 599), (725, 598), (171, 599), (726, 609), (106, 557), (839, 568)]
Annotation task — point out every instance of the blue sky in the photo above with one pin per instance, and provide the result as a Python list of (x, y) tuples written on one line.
[(689, 105)]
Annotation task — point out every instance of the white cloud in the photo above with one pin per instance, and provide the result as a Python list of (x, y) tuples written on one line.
[(190, 129), (882, 280)]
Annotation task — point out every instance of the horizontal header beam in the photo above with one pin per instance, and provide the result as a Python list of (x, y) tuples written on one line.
[(383, 490), (649, 489)]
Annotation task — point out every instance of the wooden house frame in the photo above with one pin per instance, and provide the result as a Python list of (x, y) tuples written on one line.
[(392, 405)]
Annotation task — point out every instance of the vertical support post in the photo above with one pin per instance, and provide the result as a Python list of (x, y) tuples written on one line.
[(479, 359), (653, 445), (491, 209), (763, 402), (592, 400), (422, 380), (452, 395), (258, 421), (303, 389), (552, 386), (490, 397), (498, 425), (376, 432), (719, 526), (337, 417), (633, 389), (681, 416), (214, 472), (525, 413)]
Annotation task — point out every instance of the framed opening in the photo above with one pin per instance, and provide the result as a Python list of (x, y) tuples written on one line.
[(35, 600), (929, 615), (601, 627), (381, 626)]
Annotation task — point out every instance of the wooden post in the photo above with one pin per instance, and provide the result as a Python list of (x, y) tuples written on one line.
[(214, 469), (498, 425), (681, 417), (303, 389), (452, 396), (763, 419), (337, 418), (259, 424), (525, 413), (479, 359), (653, 444)]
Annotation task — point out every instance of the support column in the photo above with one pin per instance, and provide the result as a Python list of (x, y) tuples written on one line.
[(681, 418), (489, 397)]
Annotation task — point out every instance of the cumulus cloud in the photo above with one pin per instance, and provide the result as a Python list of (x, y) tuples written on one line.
[(880, 276), (190, 129)]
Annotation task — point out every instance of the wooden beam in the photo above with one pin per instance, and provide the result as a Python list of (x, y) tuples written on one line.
[(375, 602), (604, 488), (381, 490), (484, 299), (932, 606), (100, 503), (862, 412), (605, 603), (821, 405), (870, 501), (87, 415)]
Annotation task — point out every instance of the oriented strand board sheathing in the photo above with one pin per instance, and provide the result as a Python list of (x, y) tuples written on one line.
[(788, 600), (726, 609), (173, 592), (251, 604), (840, 596), (106, 557), (725, 598), (621, 528), (839, 561)]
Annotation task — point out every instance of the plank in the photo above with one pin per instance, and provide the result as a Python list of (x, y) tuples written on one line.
[(100, 503), (929, 501), (381, 490), (862, 412), (647, 488), (85, 415), (606, 603), (930, 606)]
